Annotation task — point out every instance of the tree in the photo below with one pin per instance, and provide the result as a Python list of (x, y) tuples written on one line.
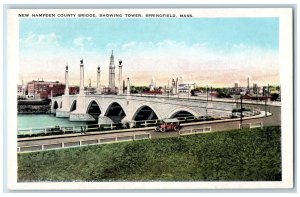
[(192, 93), (274, 96)]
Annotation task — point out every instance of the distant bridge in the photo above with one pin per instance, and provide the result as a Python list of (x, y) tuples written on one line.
[(127, 108)]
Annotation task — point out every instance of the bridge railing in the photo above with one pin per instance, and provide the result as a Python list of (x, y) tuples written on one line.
[(60, 130)]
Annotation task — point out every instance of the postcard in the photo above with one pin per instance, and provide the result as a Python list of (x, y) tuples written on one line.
[(185, 98)]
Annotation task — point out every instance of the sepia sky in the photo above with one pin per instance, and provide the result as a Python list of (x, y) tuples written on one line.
[(207, 51)]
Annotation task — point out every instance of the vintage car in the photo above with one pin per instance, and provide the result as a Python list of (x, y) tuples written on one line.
[(171, 124)]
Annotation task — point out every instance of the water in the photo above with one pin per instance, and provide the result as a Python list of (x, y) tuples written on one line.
[(44, 120)]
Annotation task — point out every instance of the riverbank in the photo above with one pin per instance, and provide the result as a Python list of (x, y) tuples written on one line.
[(34, 107), (236, 155)]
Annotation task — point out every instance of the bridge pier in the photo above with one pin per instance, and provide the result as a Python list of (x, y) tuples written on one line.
[(64, 112), (127, 120), (80, 113), (104, 120), (81, 117), (53, 111), (60, 113)]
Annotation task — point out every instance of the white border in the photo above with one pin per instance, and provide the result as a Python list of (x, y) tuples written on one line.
[(286, 71)]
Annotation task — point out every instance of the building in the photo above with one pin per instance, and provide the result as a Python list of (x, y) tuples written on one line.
[(236, 85), (185, 88), (22, 92), (40, 90), (107, 90), (255, 88), (73, 90), (174, 86), (22, 89), (152, 85), (248, 83)]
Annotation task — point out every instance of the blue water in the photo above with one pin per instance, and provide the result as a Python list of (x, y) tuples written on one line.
[(44, 120)]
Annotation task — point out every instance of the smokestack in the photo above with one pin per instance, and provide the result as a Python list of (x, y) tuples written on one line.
[(248, 86)]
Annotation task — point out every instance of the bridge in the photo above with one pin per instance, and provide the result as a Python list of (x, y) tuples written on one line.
[(128, 108)]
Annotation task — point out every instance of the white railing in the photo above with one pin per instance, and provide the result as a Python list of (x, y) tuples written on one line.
[(94, 127), (195, 131), (252, 125), (85, 142)]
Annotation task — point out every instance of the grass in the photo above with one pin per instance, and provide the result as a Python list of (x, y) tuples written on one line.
[(237, 155)]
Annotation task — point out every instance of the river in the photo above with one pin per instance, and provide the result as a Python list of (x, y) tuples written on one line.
[(44, 120)]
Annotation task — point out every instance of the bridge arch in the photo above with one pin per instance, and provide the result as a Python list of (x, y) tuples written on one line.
[(93, 109), (115, 111), (73, 106), (182, 112), (55, 105), (145, 112)]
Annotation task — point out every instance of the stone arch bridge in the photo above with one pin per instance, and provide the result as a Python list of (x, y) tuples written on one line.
[(126, 108)]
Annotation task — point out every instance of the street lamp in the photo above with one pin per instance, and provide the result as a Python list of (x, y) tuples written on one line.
[(266, 99), (241, 113), (206, 92), (188, 91), (211, 93)]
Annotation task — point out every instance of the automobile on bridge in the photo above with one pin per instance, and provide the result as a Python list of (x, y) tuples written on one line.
[(171, 124)]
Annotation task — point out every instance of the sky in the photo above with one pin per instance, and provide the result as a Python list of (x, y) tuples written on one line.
[(205, 51)]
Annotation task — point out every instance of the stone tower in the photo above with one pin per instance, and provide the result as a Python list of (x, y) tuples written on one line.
[(81, 89), (98, 80), (111, 84), (120, 89)]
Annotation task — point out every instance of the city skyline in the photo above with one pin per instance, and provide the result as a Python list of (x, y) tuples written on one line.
[(207, 51)]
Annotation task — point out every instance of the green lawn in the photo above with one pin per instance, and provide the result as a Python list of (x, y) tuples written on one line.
[(238, 155)]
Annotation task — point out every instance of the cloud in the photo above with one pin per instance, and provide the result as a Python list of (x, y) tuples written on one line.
[(83, 41), (240, 46), (154, 48), (128, 45), (40, 39)]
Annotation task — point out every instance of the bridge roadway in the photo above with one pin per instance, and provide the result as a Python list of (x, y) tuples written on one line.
[(35, 144)]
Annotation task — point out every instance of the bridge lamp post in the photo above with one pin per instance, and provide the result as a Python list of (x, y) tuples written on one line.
[(188, 91), (266, 99), (168, 89), (206, 92), (241, 114), (256, 95), (211, 93)]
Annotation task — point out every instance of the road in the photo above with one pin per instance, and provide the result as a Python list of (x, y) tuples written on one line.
[(273, 120)]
